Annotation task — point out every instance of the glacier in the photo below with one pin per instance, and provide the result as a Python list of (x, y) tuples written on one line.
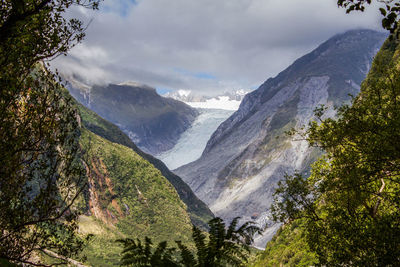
[(221, 101), (192, 142)]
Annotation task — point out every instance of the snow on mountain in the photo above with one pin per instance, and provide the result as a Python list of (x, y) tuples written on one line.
[(184, 93), (220, 102), (227, 100), (213, 111), (185, 96)]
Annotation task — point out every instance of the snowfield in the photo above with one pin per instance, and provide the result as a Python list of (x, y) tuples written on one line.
[(220, 102)]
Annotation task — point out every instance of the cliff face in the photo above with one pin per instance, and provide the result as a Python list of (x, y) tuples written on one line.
[(249, 153), (152, 122)]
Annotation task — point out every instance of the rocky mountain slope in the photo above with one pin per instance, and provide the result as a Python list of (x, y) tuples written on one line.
[(152, 122), (199, 213), (289, 247), (249, 152)]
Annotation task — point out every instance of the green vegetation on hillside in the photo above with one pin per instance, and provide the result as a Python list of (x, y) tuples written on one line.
[(287, 248), (199, 213), (102, 250), (349, 205), (127, 197)]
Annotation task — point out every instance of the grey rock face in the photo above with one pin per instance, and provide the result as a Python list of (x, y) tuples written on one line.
[(249, 152)]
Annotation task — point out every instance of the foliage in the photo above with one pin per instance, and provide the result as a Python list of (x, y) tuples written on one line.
[(350, 203), (41, 174), (136, 254), (33, 30), (6, 263), (222, 247), (287, 248), (390, 11)]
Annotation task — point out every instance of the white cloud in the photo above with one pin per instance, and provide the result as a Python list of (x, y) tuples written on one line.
[(240, 42), (92, 54)]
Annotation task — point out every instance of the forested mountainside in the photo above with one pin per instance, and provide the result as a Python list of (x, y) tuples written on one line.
[(249, 153), (152, 122), (199, 213), (129, 195), (372, 135)]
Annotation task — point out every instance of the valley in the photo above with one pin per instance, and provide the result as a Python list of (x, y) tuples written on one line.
[(189, 134), (153, 122), (250, 153), (233, 156)]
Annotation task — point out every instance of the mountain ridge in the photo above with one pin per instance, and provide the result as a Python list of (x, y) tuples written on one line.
[(151, 121), (198, 211), (249, 152), (126, 195)]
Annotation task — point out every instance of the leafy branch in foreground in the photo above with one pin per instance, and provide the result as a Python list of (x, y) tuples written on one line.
[(222, 247), (41, 174), (390, 10)]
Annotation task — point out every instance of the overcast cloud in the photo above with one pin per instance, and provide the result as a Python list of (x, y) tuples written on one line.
[(203, 45)]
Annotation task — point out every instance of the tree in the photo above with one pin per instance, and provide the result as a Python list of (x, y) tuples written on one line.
[(41, 174), (390, 11), (223, 247), (350, 203), (33, 30)]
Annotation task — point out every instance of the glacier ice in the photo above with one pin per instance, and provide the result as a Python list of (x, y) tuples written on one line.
[(192, 142)]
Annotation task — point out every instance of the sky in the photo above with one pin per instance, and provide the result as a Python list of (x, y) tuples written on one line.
[(207, 46)]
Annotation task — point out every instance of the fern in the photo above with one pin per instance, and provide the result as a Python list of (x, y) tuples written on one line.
[(223, 247)]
